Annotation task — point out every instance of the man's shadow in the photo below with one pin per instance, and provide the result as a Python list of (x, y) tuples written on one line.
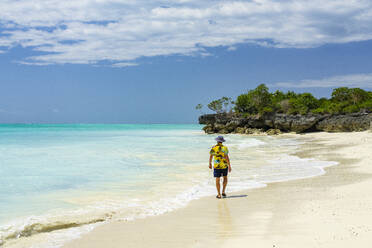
[(236, 196)]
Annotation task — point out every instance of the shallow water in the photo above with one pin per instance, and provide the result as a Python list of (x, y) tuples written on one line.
[(60, 176)]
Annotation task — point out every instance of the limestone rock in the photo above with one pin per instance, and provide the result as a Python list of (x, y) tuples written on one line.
[(256, 124), (223, 131), (254, 131), (217, 127), (207, 119), (282, 122), (255, 121), (208, 129), (346, 123), (231, 126), (302, 123), (296, 123), (273, 132), (240, 130)]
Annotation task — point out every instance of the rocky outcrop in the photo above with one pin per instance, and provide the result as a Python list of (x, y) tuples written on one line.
[(296, 123), (215, 118), (346, 123), (277, 123)]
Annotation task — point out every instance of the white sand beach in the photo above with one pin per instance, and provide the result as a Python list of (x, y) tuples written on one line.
[(333, 210)]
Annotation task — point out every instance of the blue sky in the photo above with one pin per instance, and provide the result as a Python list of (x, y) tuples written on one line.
[(121, 61)]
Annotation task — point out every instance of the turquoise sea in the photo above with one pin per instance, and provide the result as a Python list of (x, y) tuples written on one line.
[(58, 177)]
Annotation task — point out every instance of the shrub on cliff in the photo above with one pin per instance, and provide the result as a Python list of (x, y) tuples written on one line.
[(280, 102), (302, 104), (367, 105), (255, 101), (261, 101), (215, 106), (350, 100), (243, 104), (221, 105), (323, 106), (350, 95)]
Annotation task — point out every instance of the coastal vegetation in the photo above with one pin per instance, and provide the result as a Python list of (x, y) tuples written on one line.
[(261, 111), (260, 100), (221, 105)]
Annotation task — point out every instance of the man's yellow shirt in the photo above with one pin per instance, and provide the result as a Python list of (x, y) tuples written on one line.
[(219, 152)]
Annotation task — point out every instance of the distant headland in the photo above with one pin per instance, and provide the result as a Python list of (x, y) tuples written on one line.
[(259, 111)]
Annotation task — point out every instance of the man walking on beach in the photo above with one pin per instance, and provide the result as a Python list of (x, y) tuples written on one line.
[(221, 164)]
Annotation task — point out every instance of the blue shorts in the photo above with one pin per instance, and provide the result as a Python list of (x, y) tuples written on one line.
[(220, 172)]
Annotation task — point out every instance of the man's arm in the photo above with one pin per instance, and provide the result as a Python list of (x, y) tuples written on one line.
[(228, 162), (210, 161)]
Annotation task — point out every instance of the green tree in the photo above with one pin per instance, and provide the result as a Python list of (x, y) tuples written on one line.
[(367, 105), (255, 101), (222, 105), (260, 100), (284, 106), (349, 100), (199, 107), (303, 104), (216, 106), (280, 100), (243, 104), (277, 97), (261, 97), (323, 108), (341, 94), (290, 94), (351, 109), (358, 96), (227, 104)]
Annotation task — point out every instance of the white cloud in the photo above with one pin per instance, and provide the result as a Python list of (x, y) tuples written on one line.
[(32, 63), (124, 64), (121, 31), (231, 48), (352, 80)]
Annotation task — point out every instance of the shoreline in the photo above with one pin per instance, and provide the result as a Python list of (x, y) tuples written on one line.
[(332, 210), (244, 217)]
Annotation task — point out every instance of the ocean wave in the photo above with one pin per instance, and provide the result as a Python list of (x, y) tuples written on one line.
[(250, 142), (37, 225), (100, 213)]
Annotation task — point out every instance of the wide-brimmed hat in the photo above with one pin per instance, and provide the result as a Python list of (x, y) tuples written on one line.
[(220, 139)]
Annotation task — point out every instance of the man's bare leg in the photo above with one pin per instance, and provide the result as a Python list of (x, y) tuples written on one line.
[(224, 184), (218, 186)]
